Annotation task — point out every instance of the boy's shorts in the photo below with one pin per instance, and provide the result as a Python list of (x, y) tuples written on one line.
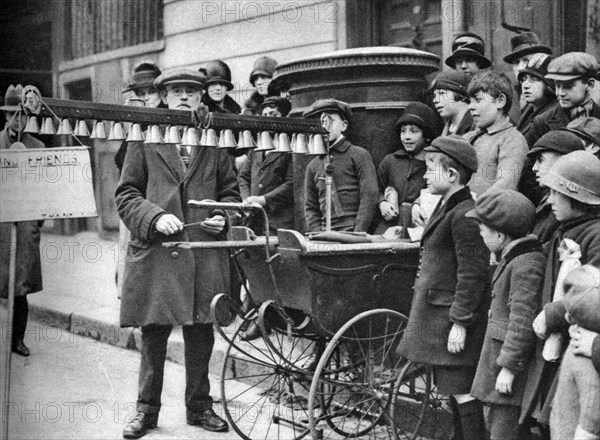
[(453, 379)]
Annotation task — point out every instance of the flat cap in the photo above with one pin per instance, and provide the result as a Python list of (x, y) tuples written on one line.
[(504, 210), (587, 129), (457, 148), (558, 141), (455, 80), (328, 105), (526, 43), (573, 65), (180, 75), (282, 104)]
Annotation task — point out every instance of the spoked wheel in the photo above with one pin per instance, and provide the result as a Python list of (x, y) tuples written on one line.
[(354, 380), (419, 410), (223, 312), (264, 396)]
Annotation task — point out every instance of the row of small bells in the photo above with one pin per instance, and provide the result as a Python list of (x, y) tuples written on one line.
[(299, 143)]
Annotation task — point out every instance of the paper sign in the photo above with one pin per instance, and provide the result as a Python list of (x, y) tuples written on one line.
[(46, 183)]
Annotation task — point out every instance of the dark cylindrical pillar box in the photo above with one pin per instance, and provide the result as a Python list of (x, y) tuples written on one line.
[(377, 82)]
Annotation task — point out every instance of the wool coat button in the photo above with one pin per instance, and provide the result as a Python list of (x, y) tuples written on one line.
[(175, 254)]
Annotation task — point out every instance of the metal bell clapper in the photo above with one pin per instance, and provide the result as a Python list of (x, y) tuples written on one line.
[(135, 134), (153, 136), (318, 146), (301, 146), (283, 145), (81, 129), (117, 132), (98, 131), (32, 125), (190, 137), (266, 142), (64, 127)]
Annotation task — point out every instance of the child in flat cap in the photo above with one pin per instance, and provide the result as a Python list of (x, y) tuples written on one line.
[(354, 191), (574, 182), (588, 130), (448, 313), (576, 407), (505, 218), (501, 149), (400, 174)]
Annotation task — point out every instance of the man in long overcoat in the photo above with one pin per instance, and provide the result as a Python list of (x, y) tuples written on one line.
[(29, 266), (163, 287)]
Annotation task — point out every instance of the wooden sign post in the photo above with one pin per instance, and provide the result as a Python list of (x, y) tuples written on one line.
[(37, 184)]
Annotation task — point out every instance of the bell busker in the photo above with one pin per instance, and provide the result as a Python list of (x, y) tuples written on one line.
[(163, 287)]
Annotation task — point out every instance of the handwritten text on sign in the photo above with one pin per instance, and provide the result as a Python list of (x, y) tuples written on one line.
[(47, 183)]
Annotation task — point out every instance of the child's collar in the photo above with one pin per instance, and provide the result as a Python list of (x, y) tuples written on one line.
[(499, 125)]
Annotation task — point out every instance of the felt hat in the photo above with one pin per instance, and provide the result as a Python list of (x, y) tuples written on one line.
[(143, 76), (454, 80), (506, 211), (524, 44), (468, 45), (422, 116), (576, 175), (12, 98), (457, 148), (218, 72), (263, 66)]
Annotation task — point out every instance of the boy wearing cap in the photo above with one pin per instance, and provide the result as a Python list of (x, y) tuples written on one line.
[(29, 268), (162, 287), (501, 149), (468, 54), (448, 314), (574, 76), (451, 101), (588, 130), (546, 151), (354, 192), (574, 182), (505, 218)]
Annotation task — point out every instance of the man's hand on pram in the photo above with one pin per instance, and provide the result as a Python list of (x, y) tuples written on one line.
[(213, 225)]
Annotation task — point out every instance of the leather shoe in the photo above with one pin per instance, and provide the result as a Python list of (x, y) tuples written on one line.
[(140, 424), (20, 348), (208, 420)]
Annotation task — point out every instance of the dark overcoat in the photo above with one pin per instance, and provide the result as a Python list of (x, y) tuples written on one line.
[(585, 231), (452, 286), (509, 338), (171, 285), (272, 176), (529, 113), (553, 119), (464, 126), (28, 277)]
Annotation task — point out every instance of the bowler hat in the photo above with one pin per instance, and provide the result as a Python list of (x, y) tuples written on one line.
[(504, 210), (573, 65), (468, 45), (283, 105), (576, 175), (218, 72), (558, 141), (422, 116), (454, 80), (328, 105), (525, 44), (587, 129), (12, 98), (263, 66), (457, 148), (143, 76), (180, 75)]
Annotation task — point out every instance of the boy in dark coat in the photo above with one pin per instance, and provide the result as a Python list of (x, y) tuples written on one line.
[(574, 181), (448, 313), (163, 287), (505, 217)]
